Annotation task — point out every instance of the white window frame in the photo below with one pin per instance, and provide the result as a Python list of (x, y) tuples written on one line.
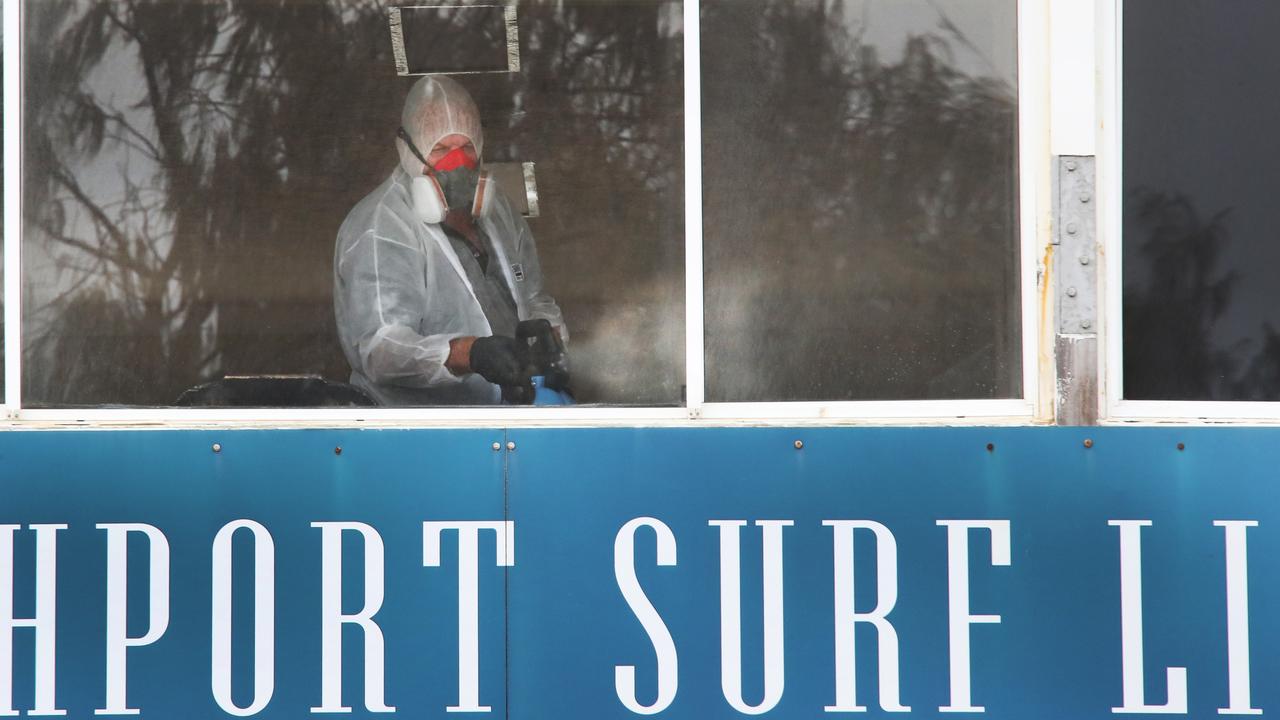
[(1111, 227), (1034, 173), (12, 210)]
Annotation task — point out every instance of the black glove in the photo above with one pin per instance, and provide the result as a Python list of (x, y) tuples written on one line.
[(546, 353), (504, 361)]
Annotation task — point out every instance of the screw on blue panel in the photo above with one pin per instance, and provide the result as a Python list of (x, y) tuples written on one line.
[(1182, 446), (991, 447), (799, 444), (217, 447), (1088, 443), (337, 450)]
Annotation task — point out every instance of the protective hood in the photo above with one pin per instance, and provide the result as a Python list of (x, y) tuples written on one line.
[(437, 106)]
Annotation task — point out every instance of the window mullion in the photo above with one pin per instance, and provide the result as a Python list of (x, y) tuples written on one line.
[(694, 366), (12, 210)]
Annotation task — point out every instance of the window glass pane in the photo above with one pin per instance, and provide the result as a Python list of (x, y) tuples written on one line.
[(190, 164), (2, 326), (3, 374), (1201, 164), (860, 176), (2, 320)]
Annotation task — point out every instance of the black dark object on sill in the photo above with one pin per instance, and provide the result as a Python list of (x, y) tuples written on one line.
[(275, 391)]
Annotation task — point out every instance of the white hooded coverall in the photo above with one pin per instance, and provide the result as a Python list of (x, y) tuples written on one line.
[(400, 292)]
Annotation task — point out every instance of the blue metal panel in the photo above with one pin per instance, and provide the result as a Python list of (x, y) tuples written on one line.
[(1055, 653), (285, 480)]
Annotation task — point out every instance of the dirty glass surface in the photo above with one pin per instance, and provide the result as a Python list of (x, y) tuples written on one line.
[(1201, 235), (860, 176), (188, 164)]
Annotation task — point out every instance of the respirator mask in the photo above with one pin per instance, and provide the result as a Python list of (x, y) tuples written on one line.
[(455, 182)]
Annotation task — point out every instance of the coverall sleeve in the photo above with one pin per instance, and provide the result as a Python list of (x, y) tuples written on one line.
[(539, 303), (386, 295)]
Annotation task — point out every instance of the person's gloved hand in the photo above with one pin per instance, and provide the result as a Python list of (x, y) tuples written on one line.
[(504, 361), (546, 352)]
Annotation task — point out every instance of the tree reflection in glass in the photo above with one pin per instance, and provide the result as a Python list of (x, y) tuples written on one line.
[(861, 200), (188, 165)]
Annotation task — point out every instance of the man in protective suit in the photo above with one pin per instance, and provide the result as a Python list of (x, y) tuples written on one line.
[(434, 269)]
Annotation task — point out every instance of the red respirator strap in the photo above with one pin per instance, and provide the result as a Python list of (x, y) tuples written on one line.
[(455, 159)]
